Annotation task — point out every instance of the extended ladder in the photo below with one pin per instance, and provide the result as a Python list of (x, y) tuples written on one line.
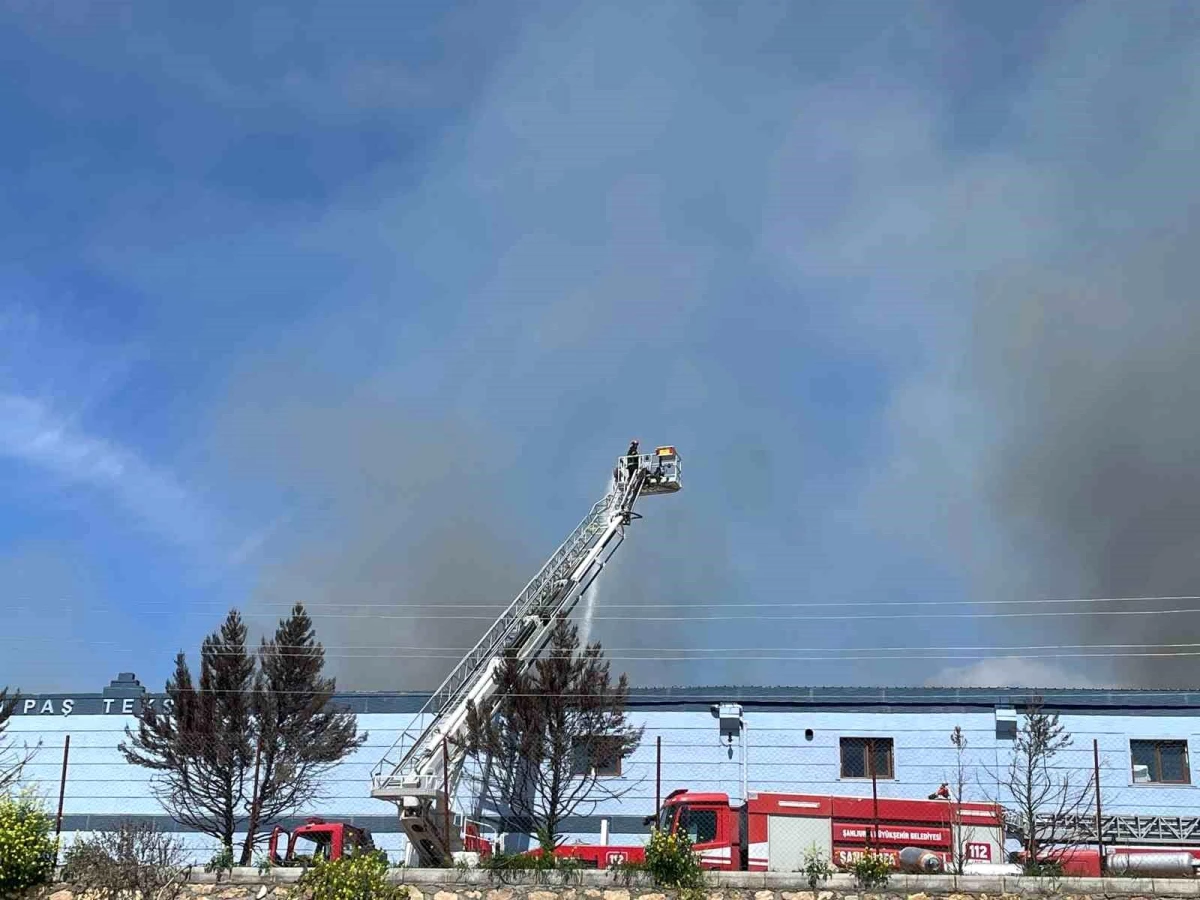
[(1127, 829), (426, 758)]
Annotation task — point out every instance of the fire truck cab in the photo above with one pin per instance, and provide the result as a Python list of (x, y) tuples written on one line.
[(317, 840), (713, 825)]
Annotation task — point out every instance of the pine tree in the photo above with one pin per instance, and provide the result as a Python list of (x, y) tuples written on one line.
[(551, 729), (201, 743), (300, 735)]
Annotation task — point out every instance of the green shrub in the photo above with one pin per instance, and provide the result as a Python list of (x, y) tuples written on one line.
[(499, 863), (629, 871), (222, 861), (362, 877), (567, 867), (816, 867), (1042, 868), (872, 869), (27, 847), (544, 867), (671, 861)]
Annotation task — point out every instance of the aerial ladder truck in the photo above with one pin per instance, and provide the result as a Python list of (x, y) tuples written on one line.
[(420, 772)]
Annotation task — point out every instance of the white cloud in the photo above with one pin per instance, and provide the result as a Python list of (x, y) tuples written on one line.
[(33, 433)]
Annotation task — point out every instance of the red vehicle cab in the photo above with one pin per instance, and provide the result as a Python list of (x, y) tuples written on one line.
[(711, 823), (316, 840)]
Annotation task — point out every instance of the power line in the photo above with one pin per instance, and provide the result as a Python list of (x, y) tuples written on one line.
[(916, 695), (856, 617), (304, 650), (829, 655), (842, 658), (658, 728), (259, 609)]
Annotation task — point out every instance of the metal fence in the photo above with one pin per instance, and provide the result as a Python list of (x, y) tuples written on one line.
[(1145, 783)]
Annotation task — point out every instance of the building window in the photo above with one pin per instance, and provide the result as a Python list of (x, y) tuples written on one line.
[(859, 754), (1160, 762), (598, 755)]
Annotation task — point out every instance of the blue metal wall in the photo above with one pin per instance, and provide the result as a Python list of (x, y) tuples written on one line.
[(793, 745)]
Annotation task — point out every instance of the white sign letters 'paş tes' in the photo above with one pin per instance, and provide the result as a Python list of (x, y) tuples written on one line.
[(89, 706)]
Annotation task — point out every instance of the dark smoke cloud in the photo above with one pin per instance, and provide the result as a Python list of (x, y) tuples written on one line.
[(386, 507), (571, 259), (1095, 476), (1087, 359), (1051, 415), (635, 234)]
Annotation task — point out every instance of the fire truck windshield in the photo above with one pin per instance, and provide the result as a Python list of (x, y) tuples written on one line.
[(700, 825), (666, 817), (312, 847)]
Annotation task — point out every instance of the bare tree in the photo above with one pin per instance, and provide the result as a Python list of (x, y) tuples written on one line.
[(135, 860), (1042, 797), (300, 736), (955, 790), (552, 731), (12, 760)]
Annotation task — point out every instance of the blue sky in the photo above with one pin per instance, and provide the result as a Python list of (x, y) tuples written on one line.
[(355, 303)]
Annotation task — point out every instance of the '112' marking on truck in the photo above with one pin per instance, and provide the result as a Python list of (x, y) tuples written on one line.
[(979, 852)]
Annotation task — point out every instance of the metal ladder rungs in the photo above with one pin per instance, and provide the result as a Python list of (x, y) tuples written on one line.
[(532, 600)]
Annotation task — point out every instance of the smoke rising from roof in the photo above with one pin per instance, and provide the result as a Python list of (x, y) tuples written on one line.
[(913, 336), (1055, 391), (387, 510)]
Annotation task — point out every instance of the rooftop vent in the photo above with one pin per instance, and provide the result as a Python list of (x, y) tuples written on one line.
[(1006, 722)]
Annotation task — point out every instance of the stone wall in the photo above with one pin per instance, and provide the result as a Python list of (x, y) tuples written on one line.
[(249, 884)]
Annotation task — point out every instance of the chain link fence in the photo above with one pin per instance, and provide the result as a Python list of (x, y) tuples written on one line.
[(903, 783)]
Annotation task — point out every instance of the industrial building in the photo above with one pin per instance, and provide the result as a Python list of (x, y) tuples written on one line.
[(812, 740)]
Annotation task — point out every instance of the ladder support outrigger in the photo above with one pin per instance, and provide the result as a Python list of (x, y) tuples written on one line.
[(414, 774)]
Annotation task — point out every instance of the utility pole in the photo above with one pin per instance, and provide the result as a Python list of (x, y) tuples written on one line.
[(252, 826), (1096, 778), (62, 788), (657, 779), (446, 794), (874, 790), (745, 763)]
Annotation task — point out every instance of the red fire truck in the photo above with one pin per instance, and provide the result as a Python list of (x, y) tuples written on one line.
[(773, 832)]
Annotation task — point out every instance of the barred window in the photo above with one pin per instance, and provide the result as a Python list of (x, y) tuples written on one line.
[(1160, 762), (861, 754), (601, 754)]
